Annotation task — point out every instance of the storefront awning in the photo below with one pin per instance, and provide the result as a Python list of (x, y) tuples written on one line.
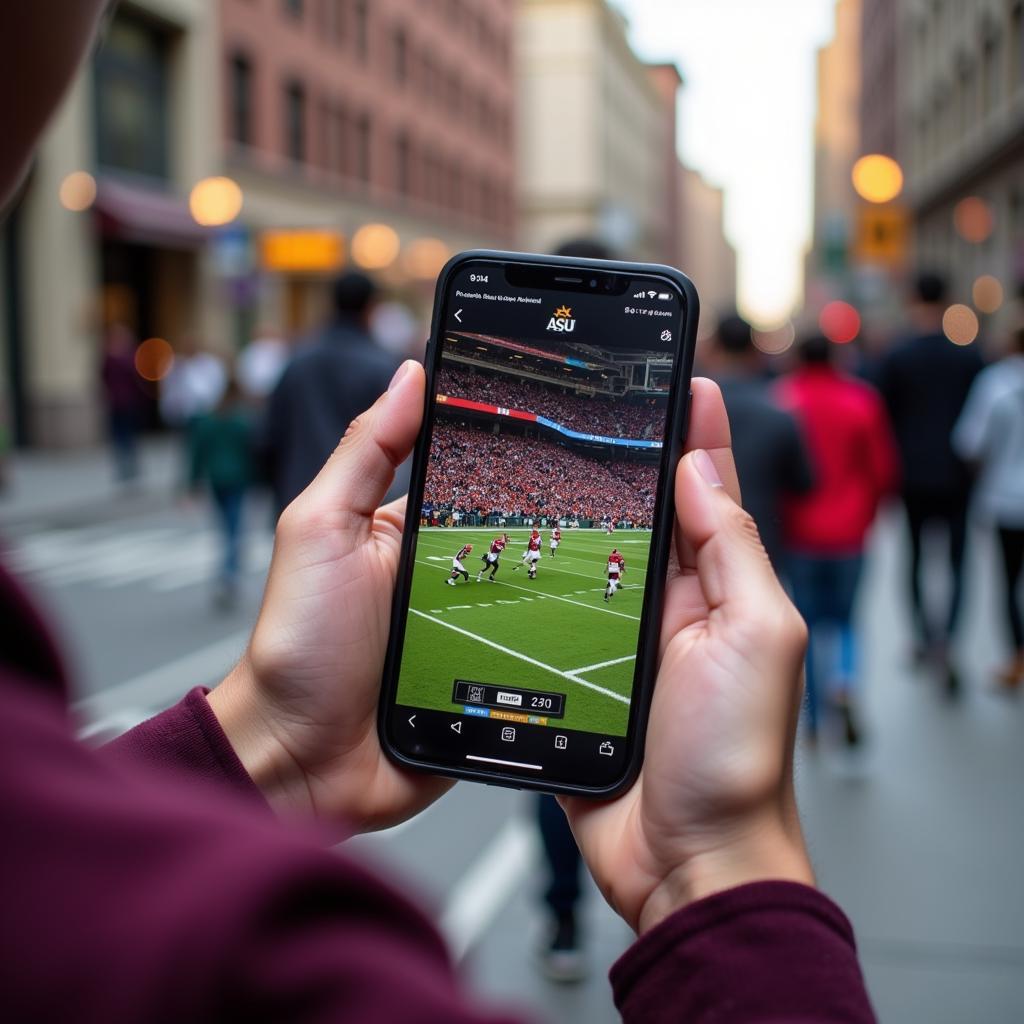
[(136, 214)]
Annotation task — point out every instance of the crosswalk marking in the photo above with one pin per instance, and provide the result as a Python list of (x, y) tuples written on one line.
[(163, 559)]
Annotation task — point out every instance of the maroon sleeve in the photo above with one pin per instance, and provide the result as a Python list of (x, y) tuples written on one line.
[(186, 740), (134, 896), (769, 951)]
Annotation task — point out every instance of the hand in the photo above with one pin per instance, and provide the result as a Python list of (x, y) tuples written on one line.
[(714, 804), (300, 708)]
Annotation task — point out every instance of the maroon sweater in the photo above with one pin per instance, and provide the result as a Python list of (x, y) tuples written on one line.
[(150, 882)]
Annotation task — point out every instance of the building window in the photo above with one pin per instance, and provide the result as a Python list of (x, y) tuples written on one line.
[(294, 8), (364, 140), (401, 55), (361, 14), (131, 97), (241, 100), (295, 121), (403, 155)]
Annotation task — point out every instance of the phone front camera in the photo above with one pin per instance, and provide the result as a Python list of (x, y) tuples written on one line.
[(593, 282)]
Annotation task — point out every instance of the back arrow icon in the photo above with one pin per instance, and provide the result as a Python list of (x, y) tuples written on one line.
[(457, 727), (412, 721), (458, 315)]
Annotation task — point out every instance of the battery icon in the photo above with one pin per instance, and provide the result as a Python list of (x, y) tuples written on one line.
[(665, 296)]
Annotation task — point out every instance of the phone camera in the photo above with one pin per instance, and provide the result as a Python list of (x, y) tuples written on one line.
[(593, 282)]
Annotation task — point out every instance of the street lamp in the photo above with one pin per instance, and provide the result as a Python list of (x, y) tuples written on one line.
[(215, 202), (877, 178)]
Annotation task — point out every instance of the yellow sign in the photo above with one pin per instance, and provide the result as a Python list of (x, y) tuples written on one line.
[(311, 251), (883, 235)]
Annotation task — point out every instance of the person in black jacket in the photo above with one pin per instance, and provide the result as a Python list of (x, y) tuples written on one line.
[(924, 381), (330, 380), (771, 458)]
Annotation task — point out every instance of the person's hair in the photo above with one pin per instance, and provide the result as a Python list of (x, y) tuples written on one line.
[(353, 293), (734, 335), (930, 287), (815, 350), (585, 249)]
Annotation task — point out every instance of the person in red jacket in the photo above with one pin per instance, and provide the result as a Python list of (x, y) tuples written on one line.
[(152, 881), (854, 458)]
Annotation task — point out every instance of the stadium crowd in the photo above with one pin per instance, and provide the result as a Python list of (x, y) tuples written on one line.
[(609, 417), (478, 472)]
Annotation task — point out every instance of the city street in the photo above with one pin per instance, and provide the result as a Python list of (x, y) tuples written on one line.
[(918, 836)]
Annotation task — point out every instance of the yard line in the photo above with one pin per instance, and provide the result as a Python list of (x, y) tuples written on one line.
[(601, 664), (553, 597), (522, 657)]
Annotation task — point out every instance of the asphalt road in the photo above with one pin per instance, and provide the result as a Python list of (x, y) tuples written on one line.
[(919, 836)]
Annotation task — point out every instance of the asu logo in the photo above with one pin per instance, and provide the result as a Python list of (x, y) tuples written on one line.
[(562, 321)]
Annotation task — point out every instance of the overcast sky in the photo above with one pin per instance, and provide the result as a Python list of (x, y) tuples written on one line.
[(746, 123)]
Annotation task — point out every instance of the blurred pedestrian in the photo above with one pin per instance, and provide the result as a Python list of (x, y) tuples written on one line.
[(123, 399), (194, 384), (330, 380), (771, 457), (855, 465), (260, 364), (561, 952), (222, 463), (990, 433), (924, 382)]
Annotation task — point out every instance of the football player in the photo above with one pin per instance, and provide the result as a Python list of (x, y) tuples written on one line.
[(458, 569), (616, 568), (491, 556)]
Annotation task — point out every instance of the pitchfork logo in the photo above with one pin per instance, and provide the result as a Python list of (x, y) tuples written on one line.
[(562, 321)]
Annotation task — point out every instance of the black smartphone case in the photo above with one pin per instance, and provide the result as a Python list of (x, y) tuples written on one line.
[(661, 540)]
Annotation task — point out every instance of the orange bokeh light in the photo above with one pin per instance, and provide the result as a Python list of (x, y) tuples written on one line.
[(973, 220), (375, 246), (154, 359), (839, 322), (987, 294), (960, 324), (877, 178), (78, 191)]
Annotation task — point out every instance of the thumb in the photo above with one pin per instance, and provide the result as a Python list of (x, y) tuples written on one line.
[(359, 472), (735, 572)]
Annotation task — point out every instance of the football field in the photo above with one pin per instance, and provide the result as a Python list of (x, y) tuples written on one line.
[(554, 633)]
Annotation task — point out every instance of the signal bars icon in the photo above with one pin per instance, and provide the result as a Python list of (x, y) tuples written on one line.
[(640, 295)]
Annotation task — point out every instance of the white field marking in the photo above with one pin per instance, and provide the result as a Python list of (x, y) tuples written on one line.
[(458, 607), (490, 882), (553, 597), (436, 558), (485, 606), (166, 683), (436, 611), (522, 657), (602, 664)]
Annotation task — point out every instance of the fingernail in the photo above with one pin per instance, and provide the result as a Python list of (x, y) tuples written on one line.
[(706, 468), (399, 374)]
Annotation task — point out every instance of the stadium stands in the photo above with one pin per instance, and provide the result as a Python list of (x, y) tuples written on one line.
[(473, 470)]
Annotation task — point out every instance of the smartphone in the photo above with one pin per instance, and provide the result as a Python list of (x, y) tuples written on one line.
[(525, 622)]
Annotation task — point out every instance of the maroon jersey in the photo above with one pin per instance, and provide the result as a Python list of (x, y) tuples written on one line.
[(534, 544), (616, 563), (497, 546), (463, 552)]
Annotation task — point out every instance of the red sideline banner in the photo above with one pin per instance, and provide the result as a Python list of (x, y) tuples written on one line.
[(494, 410)]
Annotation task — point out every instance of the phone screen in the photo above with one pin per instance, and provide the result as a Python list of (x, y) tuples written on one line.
[(531, 564)]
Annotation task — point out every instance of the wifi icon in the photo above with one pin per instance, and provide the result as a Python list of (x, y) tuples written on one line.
[(651, 295)]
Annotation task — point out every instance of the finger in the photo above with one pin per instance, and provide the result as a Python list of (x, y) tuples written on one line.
[(359, 472), (709, 429), (732, 565)]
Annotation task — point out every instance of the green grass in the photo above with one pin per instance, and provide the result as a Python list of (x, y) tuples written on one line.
[(559, 620)]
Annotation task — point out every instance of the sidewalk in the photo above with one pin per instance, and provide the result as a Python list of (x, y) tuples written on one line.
[(46, 488)]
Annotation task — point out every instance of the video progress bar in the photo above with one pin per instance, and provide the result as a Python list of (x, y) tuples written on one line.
[(511, 764)]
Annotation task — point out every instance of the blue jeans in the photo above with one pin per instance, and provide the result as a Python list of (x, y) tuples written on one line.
[(228, 502), (562, 856), (824, 589)]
